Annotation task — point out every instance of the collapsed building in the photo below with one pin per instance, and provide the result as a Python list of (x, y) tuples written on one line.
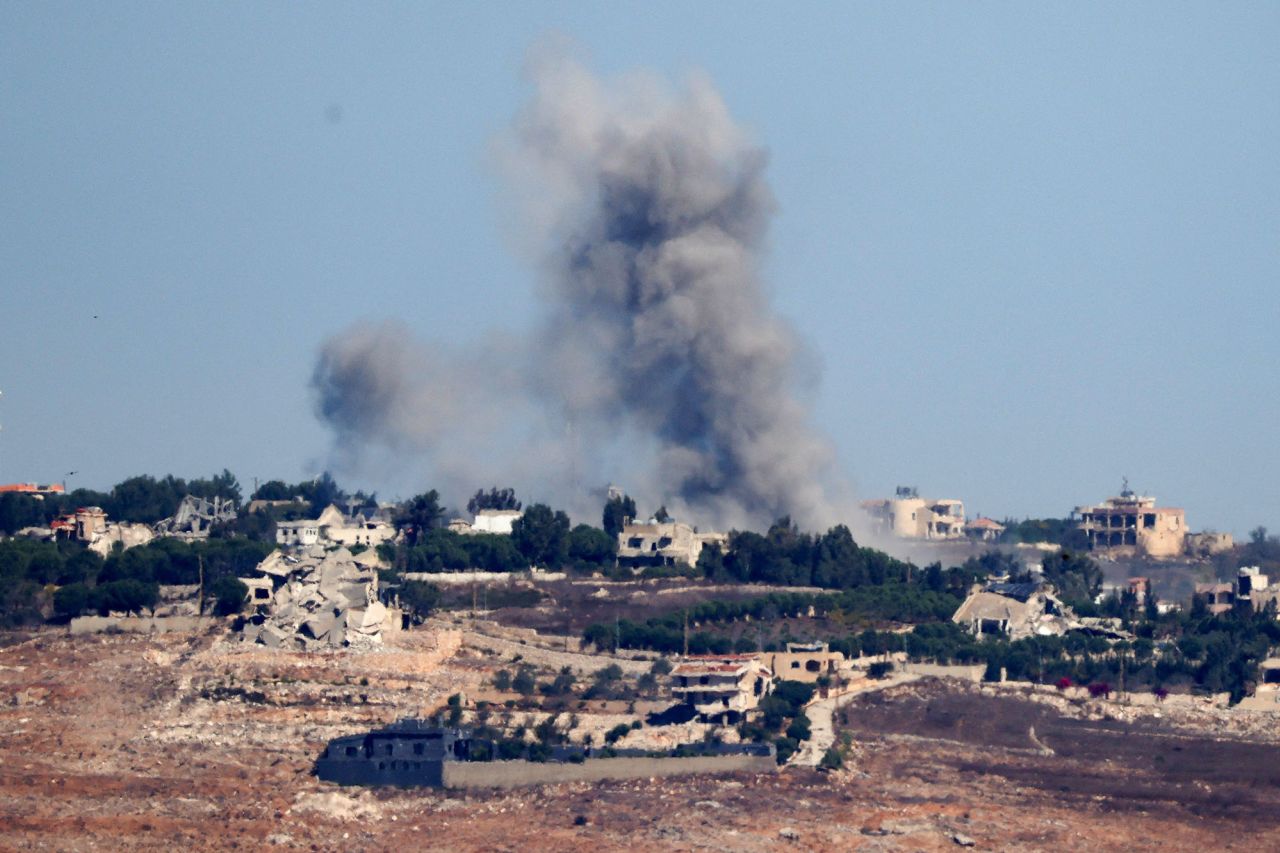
[(1020, 609), (318, 599), (89, 525), (1014, 611), (195, 516)]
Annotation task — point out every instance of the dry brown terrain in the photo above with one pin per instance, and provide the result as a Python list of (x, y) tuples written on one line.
[(127, 742)]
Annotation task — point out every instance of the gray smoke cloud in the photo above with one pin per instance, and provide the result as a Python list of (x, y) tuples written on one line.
[(659, 363)]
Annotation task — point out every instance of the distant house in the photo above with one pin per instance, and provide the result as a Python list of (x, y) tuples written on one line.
[(1132, 524), (1218, 597), (334, 528), (908, 516), (721, 687), (667, 543), (983, 529), (804, 662)]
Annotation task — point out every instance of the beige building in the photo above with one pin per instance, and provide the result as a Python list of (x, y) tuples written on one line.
[(667, 543), (721, 687), (908, 516), (805, 662), (1133, 524), (984, 530), (333, 527)]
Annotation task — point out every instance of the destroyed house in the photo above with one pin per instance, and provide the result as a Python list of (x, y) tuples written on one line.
[(1013, 610), (723, 687)]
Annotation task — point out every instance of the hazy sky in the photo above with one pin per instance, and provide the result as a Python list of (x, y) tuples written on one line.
[(1032, 247)]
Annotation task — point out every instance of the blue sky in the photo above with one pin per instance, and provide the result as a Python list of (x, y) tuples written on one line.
[(1032, 247)]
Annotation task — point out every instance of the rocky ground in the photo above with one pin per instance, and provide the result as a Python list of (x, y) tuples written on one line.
[(129, 742)]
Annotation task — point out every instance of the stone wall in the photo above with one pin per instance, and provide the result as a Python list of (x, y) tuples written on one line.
[(510, 774), (140, 624)]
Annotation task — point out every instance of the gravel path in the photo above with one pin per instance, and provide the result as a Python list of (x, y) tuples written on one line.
[(822, 711)]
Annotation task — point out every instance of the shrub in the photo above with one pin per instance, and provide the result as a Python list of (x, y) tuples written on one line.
[(617, 733), (831, 759), (880, 669), (1100, 690), (1062, 683)]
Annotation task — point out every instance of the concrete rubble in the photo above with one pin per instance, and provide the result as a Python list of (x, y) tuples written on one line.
[(194, 517), (319, 599)]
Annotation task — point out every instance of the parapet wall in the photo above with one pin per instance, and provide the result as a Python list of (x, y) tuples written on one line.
[(511, 774)]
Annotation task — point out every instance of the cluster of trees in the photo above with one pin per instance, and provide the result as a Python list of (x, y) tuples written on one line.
[(782, 720), (785, 556), (39, 579), (1055, 531), (891, 602)]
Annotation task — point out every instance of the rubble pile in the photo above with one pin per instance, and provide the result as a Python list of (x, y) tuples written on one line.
[(194, 517), (318, 599)]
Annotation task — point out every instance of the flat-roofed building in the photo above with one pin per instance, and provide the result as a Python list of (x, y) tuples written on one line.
[(721, 687)]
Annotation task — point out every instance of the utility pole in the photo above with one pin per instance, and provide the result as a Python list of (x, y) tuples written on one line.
[(686, 632), (200, 596)]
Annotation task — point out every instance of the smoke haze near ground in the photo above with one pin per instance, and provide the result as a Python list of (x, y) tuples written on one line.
[(659, 362)]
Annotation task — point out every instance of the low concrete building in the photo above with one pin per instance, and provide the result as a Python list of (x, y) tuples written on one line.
[(1132, 524), (1218, 597), (669, 543), (721, 687), (983, 529), (805, 662), (1014, 611)]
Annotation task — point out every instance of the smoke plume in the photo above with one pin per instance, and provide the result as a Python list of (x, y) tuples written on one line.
[(659, 361)]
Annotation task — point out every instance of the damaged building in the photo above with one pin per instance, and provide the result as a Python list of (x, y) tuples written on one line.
[(909, 516), (317, 599), (1013, 611), (721, 687), (663, 543), (195, 516), (1132, 524), (334, 527)]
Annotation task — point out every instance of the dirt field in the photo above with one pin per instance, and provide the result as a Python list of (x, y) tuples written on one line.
[(127, 742)]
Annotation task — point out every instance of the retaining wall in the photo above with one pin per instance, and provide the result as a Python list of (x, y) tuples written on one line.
[(511, 774), (140, 624)]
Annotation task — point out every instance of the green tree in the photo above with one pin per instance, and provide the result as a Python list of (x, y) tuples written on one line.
[(229, 594), (589, 544), (542, 536), (616, 512), (419, 516), (495, 498)]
